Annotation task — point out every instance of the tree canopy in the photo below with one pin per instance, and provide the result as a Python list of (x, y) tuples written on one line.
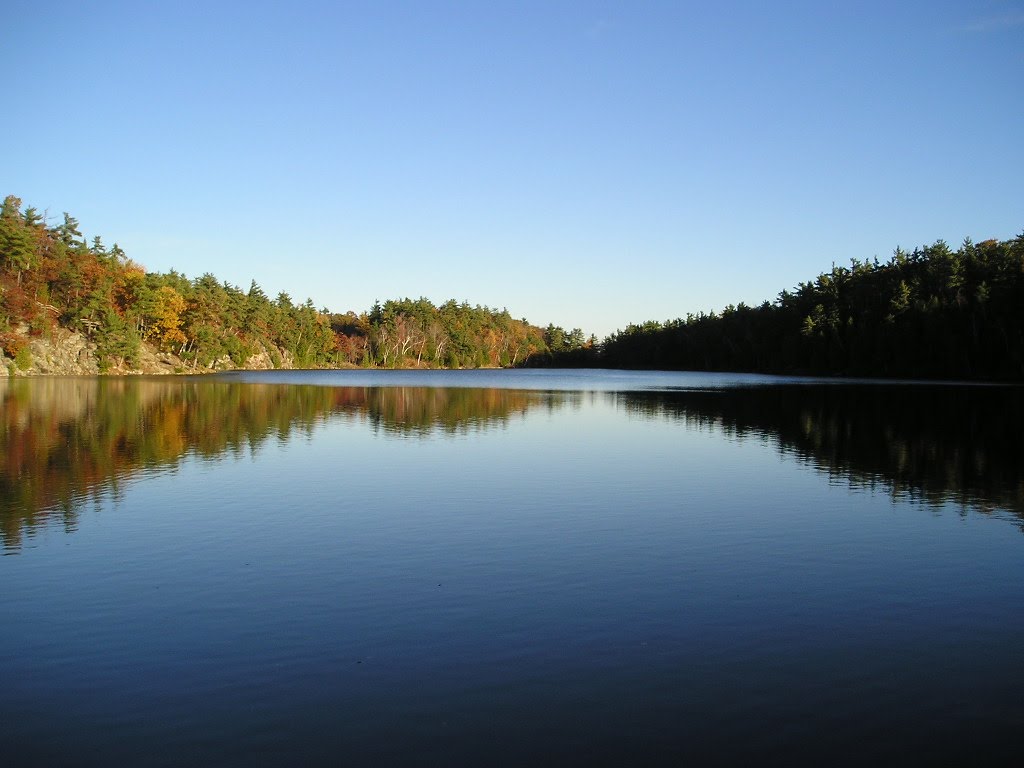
[(51, 276), (935, 312)]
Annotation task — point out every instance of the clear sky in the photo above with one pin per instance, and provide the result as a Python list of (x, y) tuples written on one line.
[(588, 164)]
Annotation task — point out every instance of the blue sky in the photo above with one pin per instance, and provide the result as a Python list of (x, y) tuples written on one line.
[(585, 164)]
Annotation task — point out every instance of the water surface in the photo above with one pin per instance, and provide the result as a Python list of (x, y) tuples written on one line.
[(485, 566)]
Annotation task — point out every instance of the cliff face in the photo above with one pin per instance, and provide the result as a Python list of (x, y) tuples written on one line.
[(69, 353)]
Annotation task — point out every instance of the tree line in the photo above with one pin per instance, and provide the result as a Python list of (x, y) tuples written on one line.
[(51, 276), (934, 313)]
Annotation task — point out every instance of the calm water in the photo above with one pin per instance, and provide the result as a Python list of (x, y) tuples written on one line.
[(486, 567)]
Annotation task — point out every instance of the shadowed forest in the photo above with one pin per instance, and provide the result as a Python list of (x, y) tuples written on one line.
[(931, 313)]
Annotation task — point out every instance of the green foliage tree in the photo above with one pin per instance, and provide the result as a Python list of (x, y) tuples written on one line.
[(17, 244), (934, 312)]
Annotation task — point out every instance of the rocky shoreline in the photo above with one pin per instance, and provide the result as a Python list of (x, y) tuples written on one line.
[(70, 353)]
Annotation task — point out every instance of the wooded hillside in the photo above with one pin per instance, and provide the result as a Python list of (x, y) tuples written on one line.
[(935, 312), (51, 277)]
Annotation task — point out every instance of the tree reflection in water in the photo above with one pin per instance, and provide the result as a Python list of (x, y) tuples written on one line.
[(933, 443), (66, 441)]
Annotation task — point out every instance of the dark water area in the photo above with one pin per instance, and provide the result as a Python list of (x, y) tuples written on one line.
[(577, 567)]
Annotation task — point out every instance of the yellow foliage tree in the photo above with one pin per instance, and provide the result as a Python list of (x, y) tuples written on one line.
[(163, 324)]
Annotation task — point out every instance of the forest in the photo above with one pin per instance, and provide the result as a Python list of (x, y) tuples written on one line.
[(931, 313), (50, 276)]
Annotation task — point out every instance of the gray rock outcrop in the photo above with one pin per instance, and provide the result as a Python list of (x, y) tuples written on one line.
[(70, 353)]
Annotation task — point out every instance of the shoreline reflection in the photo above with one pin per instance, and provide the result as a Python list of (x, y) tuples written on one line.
[(68, 441)]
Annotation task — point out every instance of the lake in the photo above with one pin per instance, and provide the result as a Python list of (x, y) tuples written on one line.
[(510, 567)]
